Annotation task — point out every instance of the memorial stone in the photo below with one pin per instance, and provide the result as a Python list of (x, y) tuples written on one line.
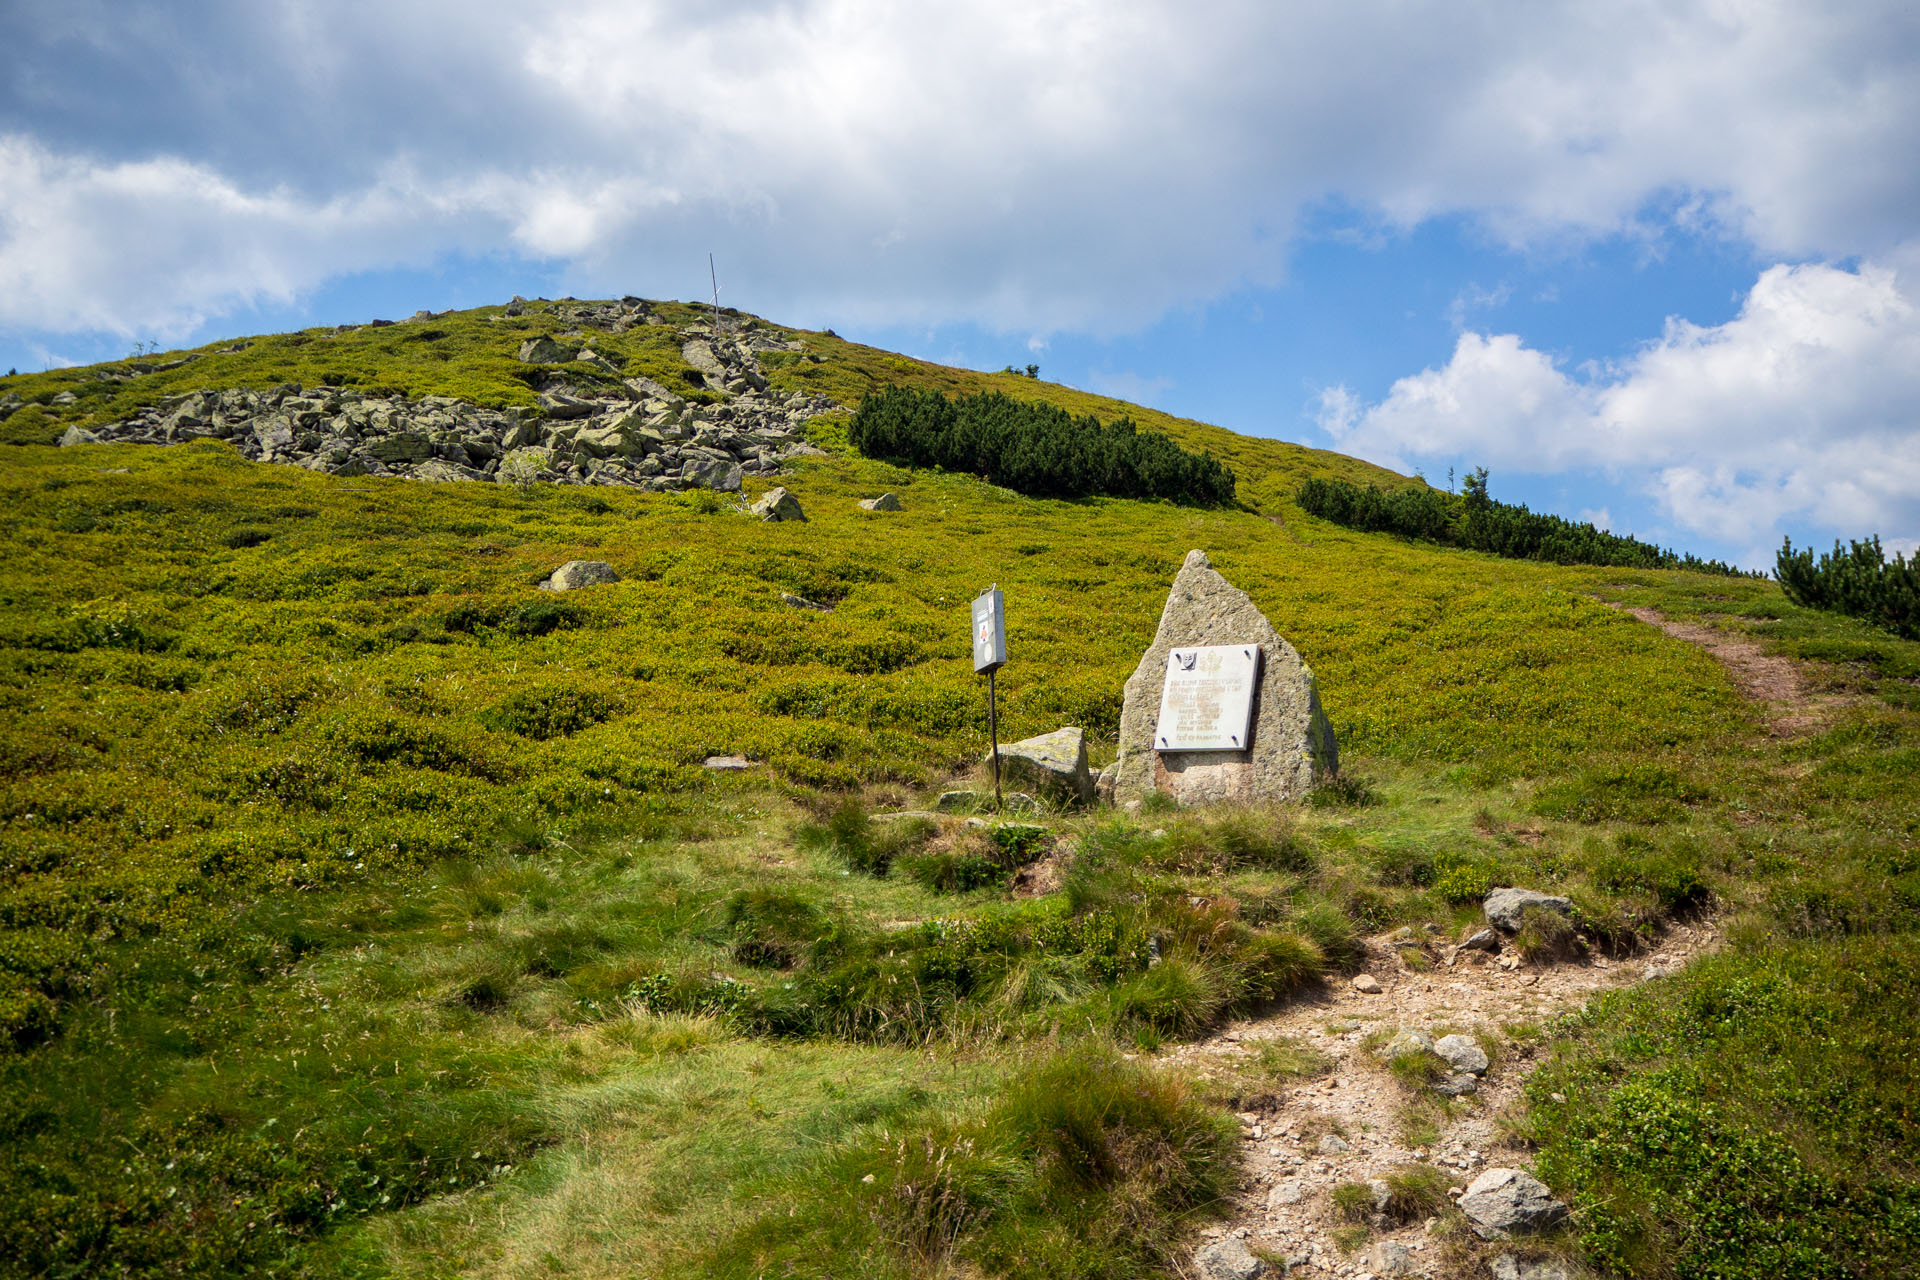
[(1217, 671)]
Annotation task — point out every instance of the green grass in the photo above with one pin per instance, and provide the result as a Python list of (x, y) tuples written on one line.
[(365, 910)]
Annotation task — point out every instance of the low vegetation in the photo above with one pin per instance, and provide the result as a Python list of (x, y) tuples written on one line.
[(1478, 522), (364, 910)]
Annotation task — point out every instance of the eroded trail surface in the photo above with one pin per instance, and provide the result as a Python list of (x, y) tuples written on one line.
[(1779, 683), (1349, 1124)]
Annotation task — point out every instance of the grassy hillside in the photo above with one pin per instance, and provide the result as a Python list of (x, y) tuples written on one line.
[(365, 909)]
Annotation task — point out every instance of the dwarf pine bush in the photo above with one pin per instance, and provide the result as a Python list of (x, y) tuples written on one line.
[(1859, 582)]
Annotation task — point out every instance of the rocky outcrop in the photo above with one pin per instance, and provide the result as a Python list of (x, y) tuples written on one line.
[(1053, 766), (885, 502), (1506, 908), (634, 433), (1503, 1203), (1292, 744)]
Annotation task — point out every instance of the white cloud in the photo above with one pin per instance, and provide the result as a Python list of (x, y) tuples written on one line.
[(1804, 407), (1027, 165), (1127, 385)]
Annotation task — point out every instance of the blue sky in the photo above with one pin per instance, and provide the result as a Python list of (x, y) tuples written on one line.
[(1653, 264)]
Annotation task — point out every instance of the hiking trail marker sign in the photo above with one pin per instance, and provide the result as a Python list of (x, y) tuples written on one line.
[(1207, 701)]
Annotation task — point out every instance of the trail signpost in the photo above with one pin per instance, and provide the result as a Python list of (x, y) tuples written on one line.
[(989, 655)]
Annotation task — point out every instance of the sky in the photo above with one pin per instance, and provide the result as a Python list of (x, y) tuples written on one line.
[(1653, 265)]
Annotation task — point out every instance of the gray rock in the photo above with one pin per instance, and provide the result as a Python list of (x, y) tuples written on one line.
[(438, 471), (885, 502), (1504, 907), (1407, 1043), (74, 435), (1484, 940), (1458, 1085), (561, 406), (543, 350), (1390, 1258), (580, 573), (1227, 1259), (1509, 1267), (1293, 744), (1103, 785), (777, 504), (714, 473), (792, 601), (1286, 1192), (10, 403), (525, 465), (1333, 1145), (1053, 766), (699, 353), (398, 448), (1502, 1203), (960, 802), (1462, 1054), (725, 764), (1366, 984)]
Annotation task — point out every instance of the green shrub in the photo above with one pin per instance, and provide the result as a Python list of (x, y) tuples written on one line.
[(1859, 582), (772, 928), (550, 711), (1033, 449)]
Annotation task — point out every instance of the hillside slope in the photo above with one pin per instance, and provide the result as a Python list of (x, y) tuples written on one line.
[(352, 873)]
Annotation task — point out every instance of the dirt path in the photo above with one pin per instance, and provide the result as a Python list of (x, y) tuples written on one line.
[(1293, 1167), (1793, 707)]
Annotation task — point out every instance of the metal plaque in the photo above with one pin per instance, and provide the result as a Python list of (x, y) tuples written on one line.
[(989, 631), (1207, 702)]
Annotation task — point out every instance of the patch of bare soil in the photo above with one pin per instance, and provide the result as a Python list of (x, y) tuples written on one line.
[(1349, 1124), (1794, 708)]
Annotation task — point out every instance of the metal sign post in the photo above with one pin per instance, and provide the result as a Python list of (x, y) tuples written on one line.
[(989, 655)]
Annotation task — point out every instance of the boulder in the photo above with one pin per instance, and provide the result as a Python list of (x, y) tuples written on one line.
[(439, 471), (1103, 785), (1509, 1267), (74, 435), (580, 573), (793, 601), (1366, 984), (1504, 907), (885, 502), (1462, 1054), (1458, 1085), (1503, 1203), (1292, 745), (543, 350), (777, 504), (714, 473), (699, 354), (1053, 766), (399, 448), (1227, 1259), (1406, 1044), (525, 465), (1484, 940)]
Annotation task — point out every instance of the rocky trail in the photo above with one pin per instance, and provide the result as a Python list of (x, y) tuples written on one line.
[(1348, 1124), (1793, 707)]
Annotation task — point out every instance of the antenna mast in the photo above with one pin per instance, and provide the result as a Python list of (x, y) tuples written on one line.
[(712, 275)]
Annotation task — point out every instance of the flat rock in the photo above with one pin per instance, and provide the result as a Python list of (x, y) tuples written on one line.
[(960, 802), (1390, 1258), (1504, 907), (1292, 745), (885, 502), (1502, 1203), (1484, 940), (1227, 1259), (1509, 1267), (74, 435), (1366, 984), (793, 601), (1458, 1085), (777, 505), (1333, 1145), (1052, 766), (580, 573), (1462, 1054), (726, 764), (1289, 1191)]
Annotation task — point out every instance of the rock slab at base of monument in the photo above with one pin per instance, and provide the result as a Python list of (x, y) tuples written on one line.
[(1291, 746), (1053, 766)]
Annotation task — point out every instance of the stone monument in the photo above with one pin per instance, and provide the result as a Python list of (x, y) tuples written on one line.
[(1218, 674)]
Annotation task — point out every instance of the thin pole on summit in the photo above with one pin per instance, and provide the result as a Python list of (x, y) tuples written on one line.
[(714, 276)]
